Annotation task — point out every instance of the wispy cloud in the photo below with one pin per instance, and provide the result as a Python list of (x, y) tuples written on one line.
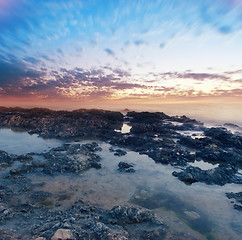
[(192, 75), (109, 52)]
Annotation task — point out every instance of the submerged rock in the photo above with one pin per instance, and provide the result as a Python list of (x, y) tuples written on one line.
[(238, 198), (126, 167), (193, 215), (120, 152)]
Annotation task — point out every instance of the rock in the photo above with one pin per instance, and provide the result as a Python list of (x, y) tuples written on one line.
[(238, 198), (238, 207), (72, 158), (63, 234), (99, 228), (40, 238), (119, 152), (3, 207), (62, 124), (111, 149), (126, 167), (192, 215), (5, 159), (175, 156), (221, 175), (224, 137), (128, 215)]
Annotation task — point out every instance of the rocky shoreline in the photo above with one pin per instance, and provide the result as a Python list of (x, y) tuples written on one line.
[(157, 135)]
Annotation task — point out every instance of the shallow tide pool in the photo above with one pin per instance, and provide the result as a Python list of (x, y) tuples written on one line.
[(201, 210)]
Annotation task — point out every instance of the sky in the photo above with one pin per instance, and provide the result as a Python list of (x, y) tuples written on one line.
[(110, 53)]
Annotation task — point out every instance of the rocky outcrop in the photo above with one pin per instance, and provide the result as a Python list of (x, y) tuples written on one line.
[(62, 124), (221, 175)]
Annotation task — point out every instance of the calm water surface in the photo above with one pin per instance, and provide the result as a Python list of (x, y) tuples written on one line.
[(20, 142)]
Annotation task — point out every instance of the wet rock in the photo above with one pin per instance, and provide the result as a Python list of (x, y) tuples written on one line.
[(111, 149), (99, 228), (120, 152), (221, 175), (197, 143), (238, 198), (126, 167), (215, 154), (238, 207), (127, 215), (72, 158), (63, 234), (174, 156), (224, 137), (5, 159), (62, 124), (193, 215), (3, 207), (147, 117)]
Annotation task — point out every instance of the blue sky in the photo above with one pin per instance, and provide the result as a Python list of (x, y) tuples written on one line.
[(106, 49)]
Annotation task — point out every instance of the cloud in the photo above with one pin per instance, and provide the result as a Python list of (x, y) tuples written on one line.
[(32, 60), (139, 42), (18, 79), (109, 52), (234, 72), (194, 76), (225, 29), (16, 72), (162, 45), (236, 92)]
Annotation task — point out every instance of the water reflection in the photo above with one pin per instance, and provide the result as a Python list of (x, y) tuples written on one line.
[(151, 186), (125, 128), (20, 142), (203, 165)]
